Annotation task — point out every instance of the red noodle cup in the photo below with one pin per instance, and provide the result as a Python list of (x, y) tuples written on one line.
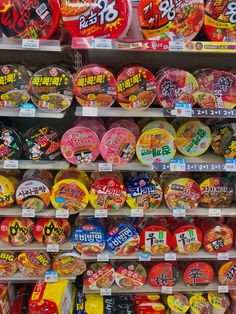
[(100, 19), (227, 273), (198, 274), (163, 274), (136, 88), (130, 275), (139, 299), (218, 238), (151, 308), (95, 86), (171, 20), (99, 275), (219, 21), (80, 145), (8, 264), (187, 239), (34, 263)]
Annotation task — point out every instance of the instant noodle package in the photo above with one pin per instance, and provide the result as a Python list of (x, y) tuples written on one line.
[(69, 264), (34, 263), (99, 275), (130, 275)]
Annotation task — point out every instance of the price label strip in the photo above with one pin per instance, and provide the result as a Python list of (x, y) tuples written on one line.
[(11, 164), (62, 213), (99, 43), (28, 213), (177, 164), (53, 248), (230, 165), (105, 167), (170, 257), (179, 212), (105, 291), (89, 112), (223, 289), (214, 212), (30, 43), (100, 213), (135, 212), (183, 110), (223, 256), (166, 290), (103, 258), (50, 276), (144, 257)]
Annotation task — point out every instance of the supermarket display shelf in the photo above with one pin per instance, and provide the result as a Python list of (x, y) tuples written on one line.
[(34, 164), (146, 288), (19, 212), (28, 114), (34, 246), (18, 277), (31, 44), (152, 112), (170, 256)]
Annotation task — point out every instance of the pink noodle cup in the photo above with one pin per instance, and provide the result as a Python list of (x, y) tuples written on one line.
[(94, 125), (127, 124), (80, 145)]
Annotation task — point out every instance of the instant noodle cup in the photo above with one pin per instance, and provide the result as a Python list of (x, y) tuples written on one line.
[(136, 88), (41, 143), (193, 138), (72, 173), (139, 299), (130, 275), (187, 239), (155, 240), (155, 146), (34, 263), (198, 274), (99, 275), (69, 264), (69, 194), (218, 134), (160, 124), (217, 89), (33, 194), (52, 230), (122, 239), (175, 85), (89, 239), (229, 144), (35, 19), (178, 303), (216, 192), (110, 19), (163, 274), (199, 305), (118, 146), (43, 175), (94, 125), (218, 238), (182, 193), (7, 191), (10, 144), (159, 20), (219, 302), (17, 231), (51, 89), (151, 307), (95, 86), (80, 145), (227, 273), (219, 20), (96, 175), (14, 80), (107, 193), (127, 124), (144, 193), (8, 264)]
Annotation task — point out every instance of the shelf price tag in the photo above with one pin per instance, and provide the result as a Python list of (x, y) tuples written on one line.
[(105, 167), (176, 46), (230, 165), (144, 257), (136, 212), (50, 276), (179, 212), (11, 164), (223, 289), (27, 112), (89, 112), (177, 164), (30, 43), (183, 110), (170, 257), (166, 290), (103, 258), (100, 213), (223, 256), (214, 212), (105, 291), (100, 43), (28, 213), (53, 248), (62, 213)]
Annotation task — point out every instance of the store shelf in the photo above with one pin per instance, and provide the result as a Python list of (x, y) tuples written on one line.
[(38, 114), (34, 246), (35, 45), (17, 212), (35, 164), (18, 277)]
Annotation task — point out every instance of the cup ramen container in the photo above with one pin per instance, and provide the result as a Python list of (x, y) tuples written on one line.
[(139, 299), (14, 83), (182, 193), (151, 307), (218, 238), (99, 275), (144, 193), (170, 27), (193, 138), (96, 125), (187, 239), (7, 191), (96, 175), (10, 144), (198, 274), (69, 264), (160, 124), (163, 274), (51, 89), (219, 24), (219, 302), (136, 88), (43, 175), (89, 238), (199, 305), (80, 145), (216, 192), (178, 303), (95, 86), (217, 89), (52, 230), (77, 16), (218, 133), (107, 193), (72, 173), (41, 143), (227, 273), (155, 240), (228, 144), (34, 264), (17, 231), (69, 194), (130, 275), (118, 146), (33, 194), (8, 264), (177, 122), (127, 124), (122, 239), (155, 146)]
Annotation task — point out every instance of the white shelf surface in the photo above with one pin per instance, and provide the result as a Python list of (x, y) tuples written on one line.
[(38, 164), (43, 45), (38, 113), (18, 277), (17, 212)]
